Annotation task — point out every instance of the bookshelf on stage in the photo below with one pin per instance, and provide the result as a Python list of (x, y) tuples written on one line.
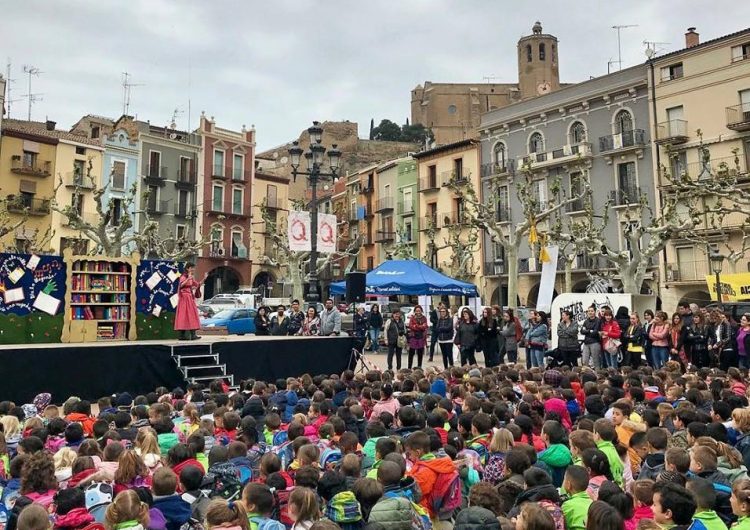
[(100, 298)]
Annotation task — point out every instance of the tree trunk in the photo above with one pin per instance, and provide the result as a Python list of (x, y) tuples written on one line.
[(568, 276), (295, 275), (511, 258), (631, 283)]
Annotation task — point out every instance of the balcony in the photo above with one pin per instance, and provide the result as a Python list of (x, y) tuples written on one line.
[(367, 239), (722, 167), (216, 252), (219, 171), (156, 175), (624, 141), (672, 132), (625, 197), (384, 205), (454, 218), (493, 169), (688, 271), (565, 154), (35, 168), (385, 236), (494, 268), (447, 177), (502, 215), (366, 190), (157, 207), (738, 117), (185, 178), (274, 203), (407, 236), (429, 222), (79, 181), (406, 208), (585, 262), (184, 211), (29, 205), (428, 184)]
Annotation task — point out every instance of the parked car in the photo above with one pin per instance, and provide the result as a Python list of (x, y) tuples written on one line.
[(238, 321), (206, 310), (223, 301)]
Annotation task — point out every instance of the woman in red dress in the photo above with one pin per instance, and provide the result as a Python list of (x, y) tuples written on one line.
[(186, 320)]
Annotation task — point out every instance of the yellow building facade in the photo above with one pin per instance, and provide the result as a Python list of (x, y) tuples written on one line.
[(445, 240), (702, 87)]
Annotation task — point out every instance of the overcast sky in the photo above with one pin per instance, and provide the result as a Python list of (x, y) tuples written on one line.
[(281, 64)]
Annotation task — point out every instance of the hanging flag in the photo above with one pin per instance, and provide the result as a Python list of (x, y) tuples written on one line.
[(543, 253), (547, 279), (298, 231), (327, 233), (533, 237)]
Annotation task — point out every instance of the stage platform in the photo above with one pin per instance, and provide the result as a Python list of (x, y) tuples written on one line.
[(95, 369)]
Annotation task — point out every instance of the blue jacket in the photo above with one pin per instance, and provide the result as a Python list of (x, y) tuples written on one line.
[(438, 387), (291, 402), (176, 511), (536, 333)]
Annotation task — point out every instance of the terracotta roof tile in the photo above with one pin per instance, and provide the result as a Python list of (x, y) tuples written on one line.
[(40, 129)]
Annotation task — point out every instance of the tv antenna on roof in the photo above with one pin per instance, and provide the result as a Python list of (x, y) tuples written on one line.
[(126, 86), (489, 78), (619, 47), (653, 47), (32, 71)]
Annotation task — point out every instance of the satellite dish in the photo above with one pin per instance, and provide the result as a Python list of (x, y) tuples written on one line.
[(172, 136), (650, 52)]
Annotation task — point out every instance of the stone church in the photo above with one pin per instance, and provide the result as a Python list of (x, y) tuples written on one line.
[(453, 110)]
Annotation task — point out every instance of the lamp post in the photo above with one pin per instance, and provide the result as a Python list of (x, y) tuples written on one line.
[(314, 157), (717, 262)]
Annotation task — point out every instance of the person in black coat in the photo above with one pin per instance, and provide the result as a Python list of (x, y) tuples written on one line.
[(375, 325), (633, 341), (487, 331), (623, 320), (696, 338), (262, 322)]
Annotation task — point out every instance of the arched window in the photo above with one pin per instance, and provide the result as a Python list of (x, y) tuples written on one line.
[(623, 122), (500, 155), (536, 143), (577, 133), (528, 53), (542, 51)]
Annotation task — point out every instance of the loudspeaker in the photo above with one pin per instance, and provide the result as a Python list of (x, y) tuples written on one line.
[(355, 287)]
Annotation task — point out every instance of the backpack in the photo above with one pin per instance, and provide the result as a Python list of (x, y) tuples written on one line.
[(445, 497), (280, 437), (330, 458), (281, 507), (285, 453), (494, 471), (267, 524), (223, 481), (99, 496)]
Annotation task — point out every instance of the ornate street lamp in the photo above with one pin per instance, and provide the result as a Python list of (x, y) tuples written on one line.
[(314, 157), (717, 263)]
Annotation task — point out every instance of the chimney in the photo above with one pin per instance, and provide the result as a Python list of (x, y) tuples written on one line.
[(692, 38), (51, 125)]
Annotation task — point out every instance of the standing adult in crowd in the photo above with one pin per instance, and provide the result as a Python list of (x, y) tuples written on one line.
[(280, 322), (623, 320), (536, 338), (724, 344), (311, 324), (361, 322), (376, 324), (417, 336), (697, 335), (659, 336), (633, 338), (445, 331), (686, 314), (395, 338), (591, 351), (487, 331), (611, 338), (567, 339), (330, 320), (509, 333), (262, 322), (296, 318), (648, 321), (466, 336), (743, 341), (677, 339)]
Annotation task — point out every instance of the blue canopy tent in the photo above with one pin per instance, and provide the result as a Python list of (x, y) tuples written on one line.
[(409, 277)]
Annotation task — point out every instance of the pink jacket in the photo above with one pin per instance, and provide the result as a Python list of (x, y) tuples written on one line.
[(659, 335), (390, 405)]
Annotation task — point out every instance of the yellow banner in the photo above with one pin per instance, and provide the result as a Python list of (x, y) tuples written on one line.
[(734, 287)]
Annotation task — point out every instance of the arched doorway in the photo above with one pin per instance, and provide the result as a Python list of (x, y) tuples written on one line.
[(221, 280), (495, 297), (265, 281), (702, 298), (531, 299)]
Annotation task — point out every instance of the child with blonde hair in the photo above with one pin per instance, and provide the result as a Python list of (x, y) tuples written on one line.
[(226, 515), (127, 511), (304, 508), (147, 447), (64, 459)]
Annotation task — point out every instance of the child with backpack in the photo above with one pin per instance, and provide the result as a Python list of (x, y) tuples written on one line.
[(273, 426), (258, 501), (341, 505), (437, 477), (175, 510), (304, 508)]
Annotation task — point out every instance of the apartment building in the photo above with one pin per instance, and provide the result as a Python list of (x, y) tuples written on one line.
[(704, 86), (273, 192)]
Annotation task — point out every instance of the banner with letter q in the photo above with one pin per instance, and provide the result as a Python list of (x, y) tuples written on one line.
[(327, 233), (298, 231)]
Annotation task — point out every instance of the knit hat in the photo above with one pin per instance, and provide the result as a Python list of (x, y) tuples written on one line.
[(552, 378), (29, 410), (123, 400), (41, 401)]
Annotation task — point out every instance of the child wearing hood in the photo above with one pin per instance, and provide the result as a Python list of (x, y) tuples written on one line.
[(426, 467), (557, 455)]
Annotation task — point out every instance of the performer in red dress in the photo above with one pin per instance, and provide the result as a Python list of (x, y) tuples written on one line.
[(187, 320)]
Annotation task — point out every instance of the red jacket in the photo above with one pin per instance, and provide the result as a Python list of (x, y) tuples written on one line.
[(611, 330), (87, 422), (425, 473)]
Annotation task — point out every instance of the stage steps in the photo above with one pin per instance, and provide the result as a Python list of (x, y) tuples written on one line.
[(199, 363)]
